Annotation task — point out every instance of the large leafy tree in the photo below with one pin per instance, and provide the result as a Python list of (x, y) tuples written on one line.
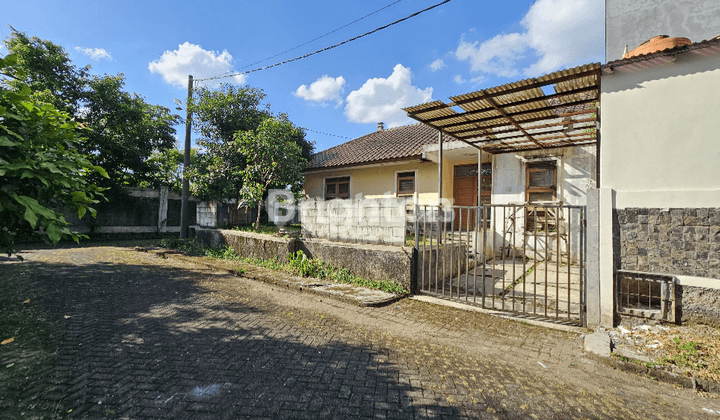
[(41, 169), (219, 114), (274, 159), (124, 130)]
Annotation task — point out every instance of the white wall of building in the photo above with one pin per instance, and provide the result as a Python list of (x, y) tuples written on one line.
[(660, 144)]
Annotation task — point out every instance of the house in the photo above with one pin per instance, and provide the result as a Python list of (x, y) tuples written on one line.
[(629, 149), (532, 141), (660, 180)]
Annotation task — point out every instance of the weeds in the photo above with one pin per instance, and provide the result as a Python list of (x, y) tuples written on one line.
[(188, 245), (298, 264)]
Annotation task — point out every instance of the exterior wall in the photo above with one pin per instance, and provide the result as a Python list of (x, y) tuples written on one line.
[(378, 221), (631, 22), (378, 181), (212, 213), (575, 175), (659, 130), (684, 243), (660, 158)]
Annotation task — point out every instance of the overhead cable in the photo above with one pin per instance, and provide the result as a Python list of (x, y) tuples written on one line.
[(326, 134), (326, 48), (321, 36)]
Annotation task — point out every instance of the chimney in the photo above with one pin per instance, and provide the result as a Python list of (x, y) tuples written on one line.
[(381, 126)]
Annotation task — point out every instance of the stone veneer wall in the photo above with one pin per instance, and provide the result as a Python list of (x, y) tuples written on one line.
[(679, 242), (668, 241)]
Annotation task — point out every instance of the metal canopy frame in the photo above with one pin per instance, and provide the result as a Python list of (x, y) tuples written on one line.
[(519, 116)]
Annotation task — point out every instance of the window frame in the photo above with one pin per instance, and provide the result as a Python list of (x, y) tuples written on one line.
[(537, 167), (397, 183), (334, 196)]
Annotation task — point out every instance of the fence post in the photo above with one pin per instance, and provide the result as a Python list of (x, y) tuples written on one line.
[(163, 210)]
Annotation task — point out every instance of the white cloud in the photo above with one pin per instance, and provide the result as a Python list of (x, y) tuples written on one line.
[(383, 99), (175, 66), (322, 90), (459, 79), (496, 55), (95, 53), (438, 64), (558, 32)]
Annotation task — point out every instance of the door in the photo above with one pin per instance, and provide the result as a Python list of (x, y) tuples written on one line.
[(465, 193)]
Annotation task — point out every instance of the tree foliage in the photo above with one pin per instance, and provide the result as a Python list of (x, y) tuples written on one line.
[(41, 169), (218, 116), (124, 130), (274, 159)]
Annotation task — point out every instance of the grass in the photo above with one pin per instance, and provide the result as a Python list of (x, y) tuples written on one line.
[(689, 350), (26, 374), (298, 264)]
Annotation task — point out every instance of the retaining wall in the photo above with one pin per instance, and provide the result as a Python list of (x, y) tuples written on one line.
[(374, 262)]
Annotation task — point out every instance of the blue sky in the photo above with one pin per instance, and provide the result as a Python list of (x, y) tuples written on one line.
[(459, 47)]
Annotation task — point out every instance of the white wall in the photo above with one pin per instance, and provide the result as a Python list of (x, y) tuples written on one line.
[(576, 173), (660, 144), (631, 22)]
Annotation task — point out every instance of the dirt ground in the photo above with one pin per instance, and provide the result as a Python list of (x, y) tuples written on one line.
[(114, 333)]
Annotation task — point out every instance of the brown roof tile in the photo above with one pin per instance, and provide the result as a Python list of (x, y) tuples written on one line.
[(386, 145)]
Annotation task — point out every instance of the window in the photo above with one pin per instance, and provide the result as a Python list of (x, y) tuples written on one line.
[(337, 187), (486, 184), (541, 186), (540, 182), (405, 184)]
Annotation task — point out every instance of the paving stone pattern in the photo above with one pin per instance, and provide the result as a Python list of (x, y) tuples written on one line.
[(147, 338)]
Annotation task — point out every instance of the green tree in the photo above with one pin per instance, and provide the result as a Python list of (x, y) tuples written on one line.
[(41, 169), (47, 69), (218, 115), (124, 129), (168, 168), (274, 159)]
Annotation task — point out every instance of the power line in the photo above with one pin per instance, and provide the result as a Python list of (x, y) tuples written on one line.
[(326, 134), (327, 48), (321, 36)]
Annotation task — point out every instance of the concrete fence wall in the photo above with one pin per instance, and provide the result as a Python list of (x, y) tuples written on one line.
[(372, 221), (141, 211)]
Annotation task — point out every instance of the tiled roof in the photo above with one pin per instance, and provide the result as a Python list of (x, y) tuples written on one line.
[(702, 48), (399, 143)]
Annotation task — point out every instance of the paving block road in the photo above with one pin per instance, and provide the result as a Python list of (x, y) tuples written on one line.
[(150, 338)]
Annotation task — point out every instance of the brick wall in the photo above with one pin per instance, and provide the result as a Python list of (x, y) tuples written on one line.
[(668, 241)]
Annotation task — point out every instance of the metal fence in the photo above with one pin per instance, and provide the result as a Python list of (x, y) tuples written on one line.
[(527, 259)]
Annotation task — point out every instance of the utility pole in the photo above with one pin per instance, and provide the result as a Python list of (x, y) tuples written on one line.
[(185, 207)]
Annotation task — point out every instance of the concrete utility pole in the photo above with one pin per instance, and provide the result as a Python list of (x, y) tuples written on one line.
[(185, 207)]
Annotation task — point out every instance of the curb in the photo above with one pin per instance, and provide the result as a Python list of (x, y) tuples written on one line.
[(308, 287), (661, 375)]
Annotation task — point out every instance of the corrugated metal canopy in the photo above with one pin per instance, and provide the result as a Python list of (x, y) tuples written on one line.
[(519, 116)]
